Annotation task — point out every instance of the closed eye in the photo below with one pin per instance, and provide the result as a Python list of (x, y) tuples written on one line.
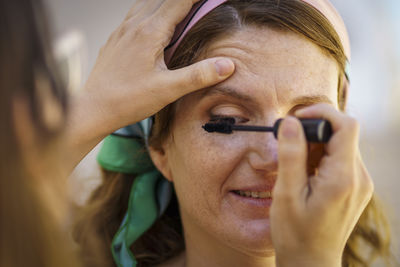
[(220, 118)]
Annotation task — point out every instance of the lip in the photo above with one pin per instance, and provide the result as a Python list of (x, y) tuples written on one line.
[(265, 186), (266, 183), (252, 207), (260, 188), (249, 207)]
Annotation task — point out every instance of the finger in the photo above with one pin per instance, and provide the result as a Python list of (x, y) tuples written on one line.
[(197, 76), (172, 12), (292, 162), (324, 111), (146, 9), (345, 129), (366, 182), (136, 8)]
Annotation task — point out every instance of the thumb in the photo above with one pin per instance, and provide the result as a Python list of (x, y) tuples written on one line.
[(200, 75), (292, 160)]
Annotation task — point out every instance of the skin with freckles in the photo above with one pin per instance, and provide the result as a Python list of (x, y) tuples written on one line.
[(277, 73)]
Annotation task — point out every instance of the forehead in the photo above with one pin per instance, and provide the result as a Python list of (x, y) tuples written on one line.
[(276, 66)]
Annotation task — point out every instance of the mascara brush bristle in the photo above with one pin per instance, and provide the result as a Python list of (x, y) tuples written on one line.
[(218, 127)]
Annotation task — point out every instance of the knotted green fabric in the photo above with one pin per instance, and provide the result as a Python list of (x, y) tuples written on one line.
[(142, 213), (149, 196), (124, 154)]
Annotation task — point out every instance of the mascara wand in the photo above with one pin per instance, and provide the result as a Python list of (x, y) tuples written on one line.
[(316, 130)]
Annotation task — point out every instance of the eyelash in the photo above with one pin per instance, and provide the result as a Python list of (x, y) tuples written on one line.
[(216, 118)]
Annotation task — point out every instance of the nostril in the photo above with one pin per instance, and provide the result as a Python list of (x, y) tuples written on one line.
[(263, 158)]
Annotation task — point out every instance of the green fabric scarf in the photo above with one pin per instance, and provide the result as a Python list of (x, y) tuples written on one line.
[(126, 152)]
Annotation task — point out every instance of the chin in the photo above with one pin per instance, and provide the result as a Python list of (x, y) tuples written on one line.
[(257, 248), (253, 238)]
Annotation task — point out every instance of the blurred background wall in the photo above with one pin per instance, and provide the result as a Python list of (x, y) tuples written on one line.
[(83, 26)]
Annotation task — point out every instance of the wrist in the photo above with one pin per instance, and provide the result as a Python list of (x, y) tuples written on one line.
[(86, 127), (92, 112)]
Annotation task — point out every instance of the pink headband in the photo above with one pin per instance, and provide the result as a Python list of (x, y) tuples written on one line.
[(202, 8)]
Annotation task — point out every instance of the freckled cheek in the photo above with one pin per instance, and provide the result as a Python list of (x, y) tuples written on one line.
[(205, 163), (210, 158)]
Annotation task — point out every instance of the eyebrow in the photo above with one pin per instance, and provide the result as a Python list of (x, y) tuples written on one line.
[(309, 100), (230, 92)]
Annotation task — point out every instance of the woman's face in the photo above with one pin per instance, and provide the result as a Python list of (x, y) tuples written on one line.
[(276, 73)]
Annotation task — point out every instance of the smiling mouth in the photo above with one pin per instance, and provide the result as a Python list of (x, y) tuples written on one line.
[(254, 194)]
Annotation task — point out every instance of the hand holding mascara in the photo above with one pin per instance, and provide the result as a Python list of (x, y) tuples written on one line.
[(316, 130)]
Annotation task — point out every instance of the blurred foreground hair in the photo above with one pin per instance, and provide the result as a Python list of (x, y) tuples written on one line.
[(30, 234)]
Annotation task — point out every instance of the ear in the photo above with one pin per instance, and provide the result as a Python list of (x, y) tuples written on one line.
[(160, 160)]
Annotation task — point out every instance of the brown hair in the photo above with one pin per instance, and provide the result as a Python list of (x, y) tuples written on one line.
[(30, 233), (164, 240)]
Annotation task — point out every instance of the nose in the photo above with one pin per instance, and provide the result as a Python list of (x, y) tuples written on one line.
[(263, 150)]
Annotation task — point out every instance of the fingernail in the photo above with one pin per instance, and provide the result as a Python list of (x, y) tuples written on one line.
[(290, 129), (224, 67)]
